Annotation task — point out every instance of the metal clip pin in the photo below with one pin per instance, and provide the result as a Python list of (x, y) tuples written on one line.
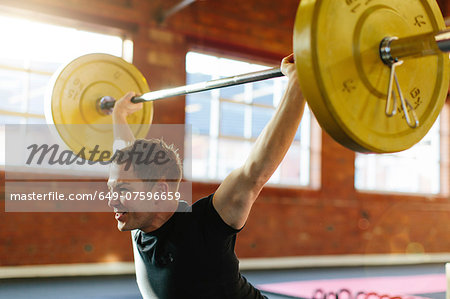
[(391, 101), (391, 108), (405, 105)]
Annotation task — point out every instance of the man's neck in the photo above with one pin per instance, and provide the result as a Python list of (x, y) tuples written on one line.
[(160, 218)]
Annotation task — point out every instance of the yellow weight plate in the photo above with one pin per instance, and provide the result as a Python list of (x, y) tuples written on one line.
[(74, 94), (336, 46)]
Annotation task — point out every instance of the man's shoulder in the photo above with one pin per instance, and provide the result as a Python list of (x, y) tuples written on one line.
[(202, 203), (193, 217), (194, 211)]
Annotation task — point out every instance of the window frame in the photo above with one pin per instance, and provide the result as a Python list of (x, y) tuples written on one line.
[(124, 31), (315, 131), (443, 162)]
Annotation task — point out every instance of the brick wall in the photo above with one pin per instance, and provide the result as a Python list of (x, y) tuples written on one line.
[(334, 219)]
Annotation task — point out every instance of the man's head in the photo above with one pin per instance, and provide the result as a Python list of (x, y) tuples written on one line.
[(141, 175)]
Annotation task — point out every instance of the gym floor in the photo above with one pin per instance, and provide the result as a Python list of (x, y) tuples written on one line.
[(124, 287)]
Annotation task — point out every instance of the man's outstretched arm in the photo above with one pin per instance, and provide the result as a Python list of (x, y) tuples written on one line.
[(123, 136), (237, 193)]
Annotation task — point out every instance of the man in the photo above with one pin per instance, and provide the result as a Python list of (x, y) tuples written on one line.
[(191, 255)]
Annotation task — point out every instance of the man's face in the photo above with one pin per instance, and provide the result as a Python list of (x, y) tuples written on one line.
[(130, 211)]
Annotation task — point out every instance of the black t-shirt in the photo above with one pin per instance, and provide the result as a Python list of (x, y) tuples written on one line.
[(192, 256)]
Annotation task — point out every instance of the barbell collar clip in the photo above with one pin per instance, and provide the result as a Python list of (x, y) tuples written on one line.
[(391, 100), (391, 106), (105, 105), (385, 51)]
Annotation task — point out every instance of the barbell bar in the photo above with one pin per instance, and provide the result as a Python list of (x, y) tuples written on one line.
[(108, 103), (348, 56), (415, 46)]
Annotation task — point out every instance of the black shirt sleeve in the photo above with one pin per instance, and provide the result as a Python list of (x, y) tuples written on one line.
[(214, 224)]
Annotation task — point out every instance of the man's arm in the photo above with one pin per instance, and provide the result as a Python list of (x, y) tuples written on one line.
[(123, 136), (237, 193)]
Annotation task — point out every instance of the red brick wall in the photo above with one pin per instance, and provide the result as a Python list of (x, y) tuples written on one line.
[(334, 219)]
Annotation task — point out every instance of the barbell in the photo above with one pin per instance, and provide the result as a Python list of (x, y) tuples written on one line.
[(374, 73)]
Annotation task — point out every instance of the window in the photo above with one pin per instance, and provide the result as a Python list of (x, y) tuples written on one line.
[(417, 170), (30, 53), (225, 123)]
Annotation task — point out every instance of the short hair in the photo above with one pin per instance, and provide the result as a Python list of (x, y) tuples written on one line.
[(151, 160)]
